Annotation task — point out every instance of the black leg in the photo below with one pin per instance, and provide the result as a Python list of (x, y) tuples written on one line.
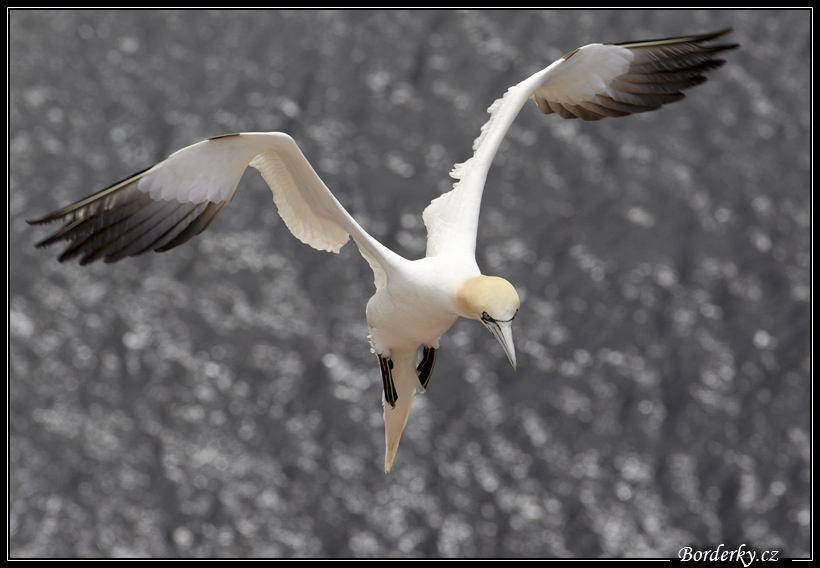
[(386, 367), (425, 368)]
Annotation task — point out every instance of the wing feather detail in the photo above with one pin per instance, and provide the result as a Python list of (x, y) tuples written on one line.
[(601, 80), (169, 203), (592, 82)]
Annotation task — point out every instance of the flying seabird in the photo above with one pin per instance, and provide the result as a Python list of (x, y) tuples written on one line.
[(416, 301)]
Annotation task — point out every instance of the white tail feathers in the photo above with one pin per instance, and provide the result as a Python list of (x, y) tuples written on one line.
[(406, 382)]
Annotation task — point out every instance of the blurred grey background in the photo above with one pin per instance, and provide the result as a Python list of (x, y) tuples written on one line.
[(221, 400)]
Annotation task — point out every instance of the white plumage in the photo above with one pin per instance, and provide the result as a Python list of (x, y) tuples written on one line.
[(416, 301)]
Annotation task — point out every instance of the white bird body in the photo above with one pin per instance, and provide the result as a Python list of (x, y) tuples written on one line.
[(416, 301), (416, 307), (422, 298)]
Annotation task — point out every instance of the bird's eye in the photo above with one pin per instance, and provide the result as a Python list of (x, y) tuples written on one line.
[(486, 317)]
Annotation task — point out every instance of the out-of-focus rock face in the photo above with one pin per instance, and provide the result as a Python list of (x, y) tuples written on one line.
[(221, 400)]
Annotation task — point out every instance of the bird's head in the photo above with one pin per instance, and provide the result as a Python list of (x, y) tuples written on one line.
[(494, 302)]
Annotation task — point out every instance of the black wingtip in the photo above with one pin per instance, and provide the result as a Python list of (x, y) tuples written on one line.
[(697, 38), (42, 220), (715, 35)]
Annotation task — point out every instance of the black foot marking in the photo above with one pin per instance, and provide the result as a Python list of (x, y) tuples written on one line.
[(386, 366), (425, 368)]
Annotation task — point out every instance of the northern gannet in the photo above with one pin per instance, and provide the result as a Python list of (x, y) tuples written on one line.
[(416, 301)]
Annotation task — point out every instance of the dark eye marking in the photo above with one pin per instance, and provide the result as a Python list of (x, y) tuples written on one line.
[(489, 319)]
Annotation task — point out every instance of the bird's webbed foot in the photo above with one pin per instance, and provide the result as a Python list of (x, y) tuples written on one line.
[(386, 367), (425, 367)]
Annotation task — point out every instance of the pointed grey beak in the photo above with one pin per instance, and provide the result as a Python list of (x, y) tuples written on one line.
[(502, 330)]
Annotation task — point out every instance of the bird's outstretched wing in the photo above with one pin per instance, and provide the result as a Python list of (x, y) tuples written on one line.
[(591, 82), (165, 205)]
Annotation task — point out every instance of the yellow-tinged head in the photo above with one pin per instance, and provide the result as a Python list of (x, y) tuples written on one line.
[(494, 302)]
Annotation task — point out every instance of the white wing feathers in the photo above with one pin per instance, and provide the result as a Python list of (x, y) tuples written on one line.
[(591, 83), (452, 218), (167, 204), (312, 213)]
